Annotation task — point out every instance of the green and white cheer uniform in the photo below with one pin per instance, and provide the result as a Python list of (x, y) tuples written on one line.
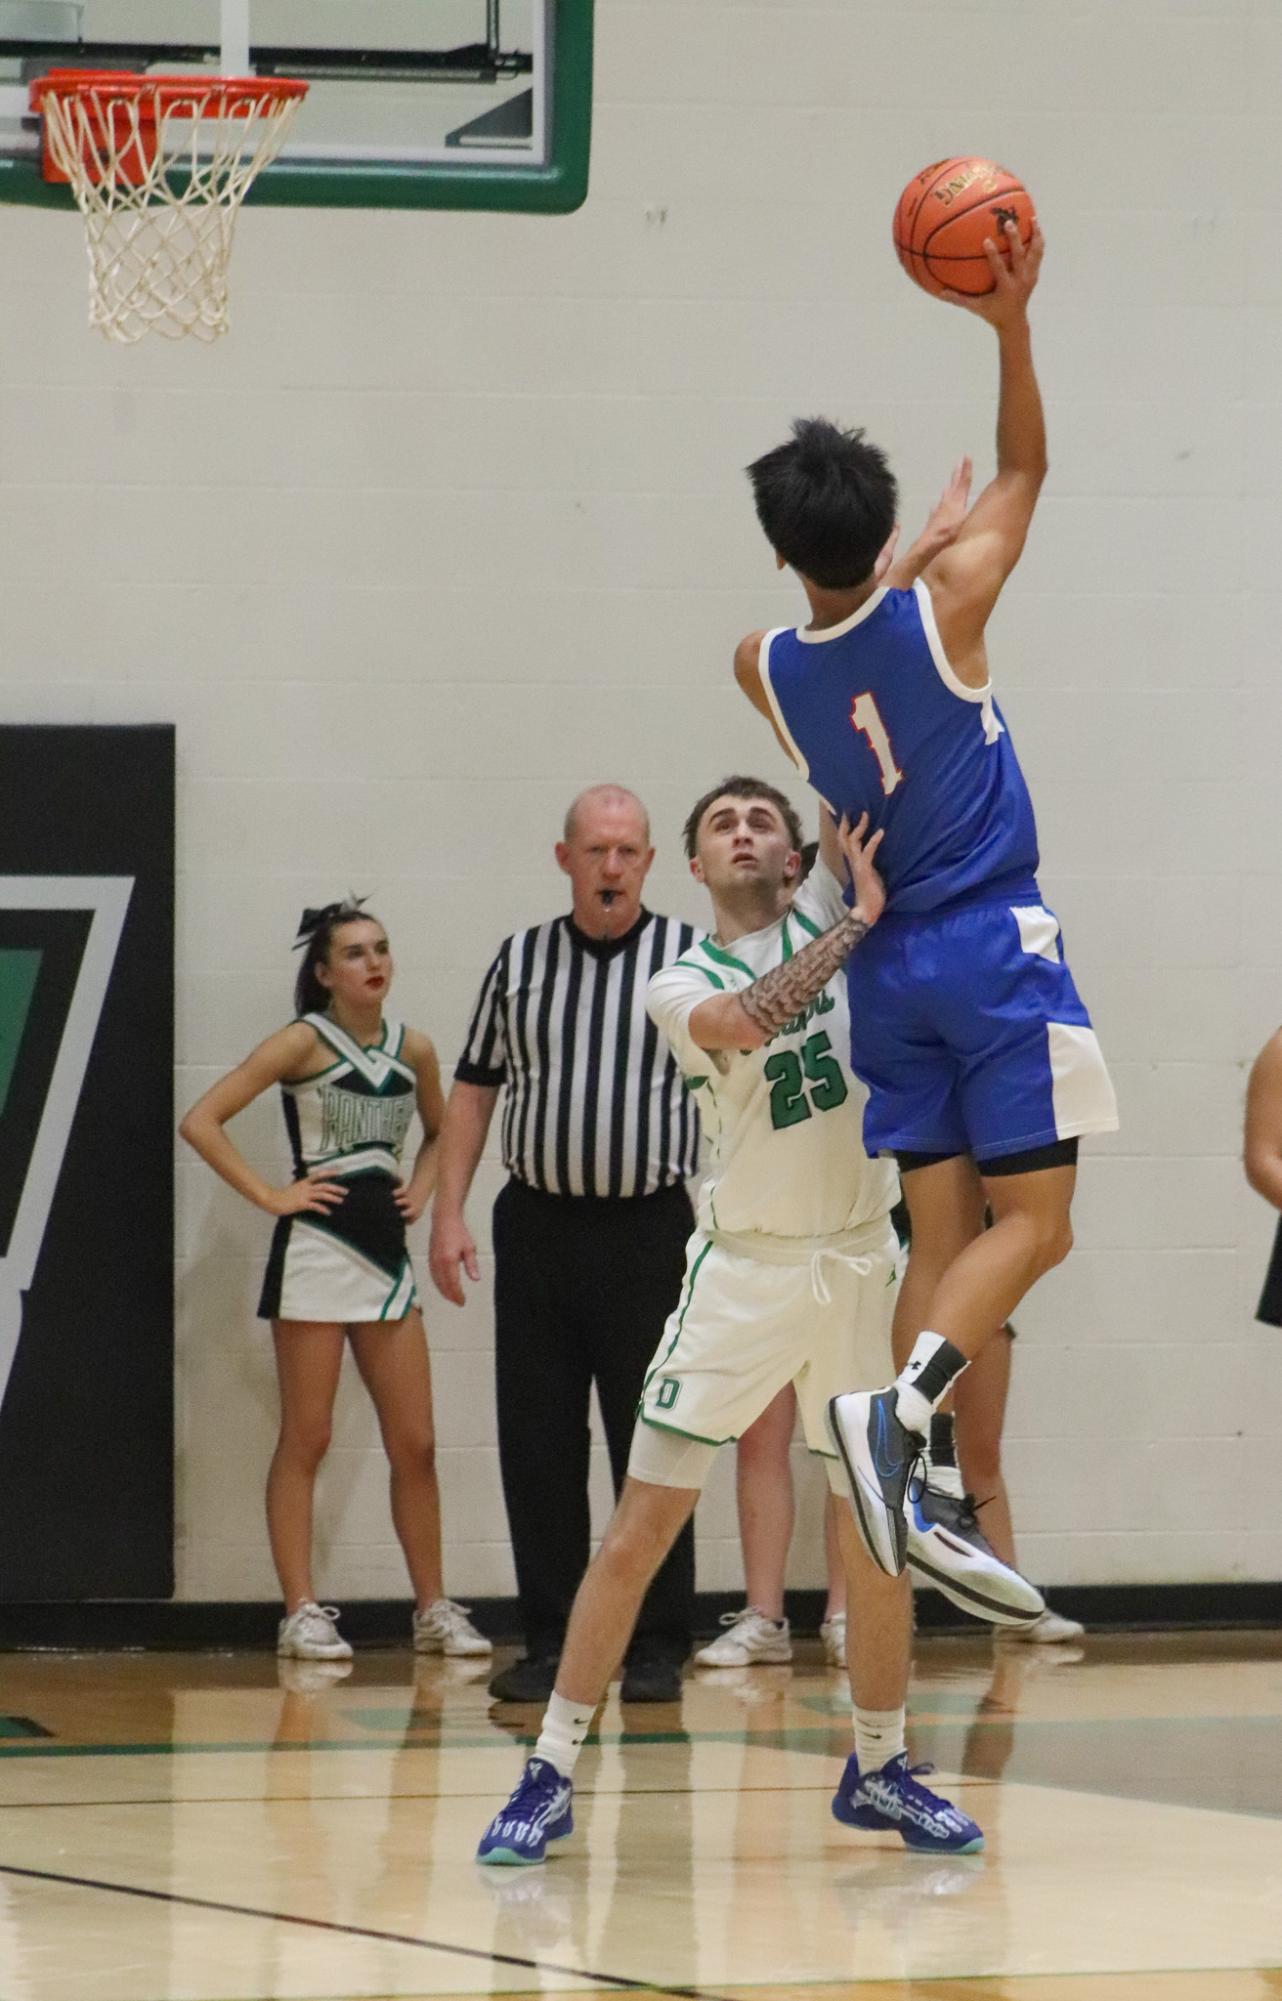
[(792, 1271), (349, 1264)]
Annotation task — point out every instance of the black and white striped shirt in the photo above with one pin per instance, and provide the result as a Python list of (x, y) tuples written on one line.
[(595, 1104)]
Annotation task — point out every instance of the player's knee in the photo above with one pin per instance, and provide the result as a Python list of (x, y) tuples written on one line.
[(306, 1444), (412, 1452), (634, 1546), (1055, 1241), (1047, 1241)]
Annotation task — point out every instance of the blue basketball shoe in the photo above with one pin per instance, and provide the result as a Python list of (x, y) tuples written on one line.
[(892, 1798), (879, 1454), (538, 1812)]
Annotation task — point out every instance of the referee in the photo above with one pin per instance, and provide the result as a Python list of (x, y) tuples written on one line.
[(590, 1229)]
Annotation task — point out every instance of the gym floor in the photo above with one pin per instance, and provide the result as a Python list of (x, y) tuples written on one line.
[(194, 1827)]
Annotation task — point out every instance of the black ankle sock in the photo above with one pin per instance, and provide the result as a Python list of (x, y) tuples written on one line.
[(942, 1449), (946, 1363)]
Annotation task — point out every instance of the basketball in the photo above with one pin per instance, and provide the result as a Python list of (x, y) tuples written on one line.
[(943, 216)]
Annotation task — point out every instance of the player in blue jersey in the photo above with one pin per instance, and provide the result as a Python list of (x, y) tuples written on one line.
[(979, 1057)]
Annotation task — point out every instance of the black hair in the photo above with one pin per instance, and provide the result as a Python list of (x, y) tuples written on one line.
[(827, 501), (316, 935), (740, 787)]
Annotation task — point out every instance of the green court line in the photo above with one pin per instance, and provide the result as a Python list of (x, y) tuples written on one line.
[(421, 1742), (809, 1738), (118, 1803), (804, 1740)]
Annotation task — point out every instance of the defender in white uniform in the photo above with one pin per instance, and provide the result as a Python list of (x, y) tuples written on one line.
[(791, 1278), (791, 1273)]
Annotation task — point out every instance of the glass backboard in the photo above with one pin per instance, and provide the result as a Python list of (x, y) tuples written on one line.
[(411, 103)]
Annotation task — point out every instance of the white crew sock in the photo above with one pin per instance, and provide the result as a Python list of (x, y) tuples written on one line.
[(879, 1737), (565, 1725)]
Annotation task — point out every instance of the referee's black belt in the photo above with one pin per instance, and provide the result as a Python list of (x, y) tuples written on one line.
[(538, 1195)]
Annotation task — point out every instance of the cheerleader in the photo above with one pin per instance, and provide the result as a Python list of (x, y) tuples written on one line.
[(350, 1079)]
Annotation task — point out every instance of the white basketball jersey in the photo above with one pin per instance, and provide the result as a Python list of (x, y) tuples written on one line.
[(785, 1122)]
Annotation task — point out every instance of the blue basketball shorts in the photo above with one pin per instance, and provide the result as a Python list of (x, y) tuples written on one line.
[(970, 1035)]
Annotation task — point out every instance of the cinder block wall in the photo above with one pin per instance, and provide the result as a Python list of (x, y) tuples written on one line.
[(454, 523)]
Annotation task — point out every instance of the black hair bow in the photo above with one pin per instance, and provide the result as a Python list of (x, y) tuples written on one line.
[(311, 920)]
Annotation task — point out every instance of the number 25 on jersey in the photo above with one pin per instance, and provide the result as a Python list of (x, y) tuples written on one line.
[(865, 716)]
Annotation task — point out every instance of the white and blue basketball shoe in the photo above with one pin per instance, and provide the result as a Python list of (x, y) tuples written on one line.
[(893, 1799), (539, 1811), (947, 1548), (879, 1455)]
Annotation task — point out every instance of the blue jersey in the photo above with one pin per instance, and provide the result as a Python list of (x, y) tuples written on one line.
[(879, 723)]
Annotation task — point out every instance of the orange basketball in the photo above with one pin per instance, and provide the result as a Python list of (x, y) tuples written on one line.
[(943, 216)]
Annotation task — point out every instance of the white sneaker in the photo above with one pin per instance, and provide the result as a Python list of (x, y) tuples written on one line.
[(311, 1634), (833, 1634), (446, 1629), (752, 1638), (947, 1548), (1051, 1630)]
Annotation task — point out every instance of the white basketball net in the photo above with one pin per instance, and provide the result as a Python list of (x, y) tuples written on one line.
[(159, 174)]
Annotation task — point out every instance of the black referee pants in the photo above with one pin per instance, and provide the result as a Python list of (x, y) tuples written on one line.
[(582, 1287)]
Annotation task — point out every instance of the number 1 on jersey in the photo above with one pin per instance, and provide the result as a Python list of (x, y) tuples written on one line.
[(865, 716)]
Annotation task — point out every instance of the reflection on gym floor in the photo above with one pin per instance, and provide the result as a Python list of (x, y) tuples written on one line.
[(231, 1828)]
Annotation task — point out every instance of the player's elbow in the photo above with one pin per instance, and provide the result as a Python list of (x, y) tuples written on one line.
[(733, 1031), (188, 1126), (743, 1030), (1028, 473)]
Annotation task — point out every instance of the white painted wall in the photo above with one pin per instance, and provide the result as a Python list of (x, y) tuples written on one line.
[(453, 523)]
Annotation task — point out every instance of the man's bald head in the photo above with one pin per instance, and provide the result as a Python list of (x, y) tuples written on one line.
[(615, 797), (606, 853)]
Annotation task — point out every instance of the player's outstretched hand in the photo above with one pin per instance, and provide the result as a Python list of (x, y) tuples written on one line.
[(870, 890), (943, 523), (1015, 270), (312, 1193)]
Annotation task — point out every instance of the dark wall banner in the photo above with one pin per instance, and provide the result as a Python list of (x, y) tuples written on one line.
[(86, 1161)]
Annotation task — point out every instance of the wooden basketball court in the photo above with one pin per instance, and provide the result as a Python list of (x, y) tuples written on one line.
[(227, 1828)]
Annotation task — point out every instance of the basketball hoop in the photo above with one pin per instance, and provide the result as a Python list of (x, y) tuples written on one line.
[(159, 166)]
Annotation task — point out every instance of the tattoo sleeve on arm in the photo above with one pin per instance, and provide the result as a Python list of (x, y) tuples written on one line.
[(779, 995)]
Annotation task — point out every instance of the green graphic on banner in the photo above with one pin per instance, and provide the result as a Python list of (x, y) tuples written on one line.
[(18, 974)]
